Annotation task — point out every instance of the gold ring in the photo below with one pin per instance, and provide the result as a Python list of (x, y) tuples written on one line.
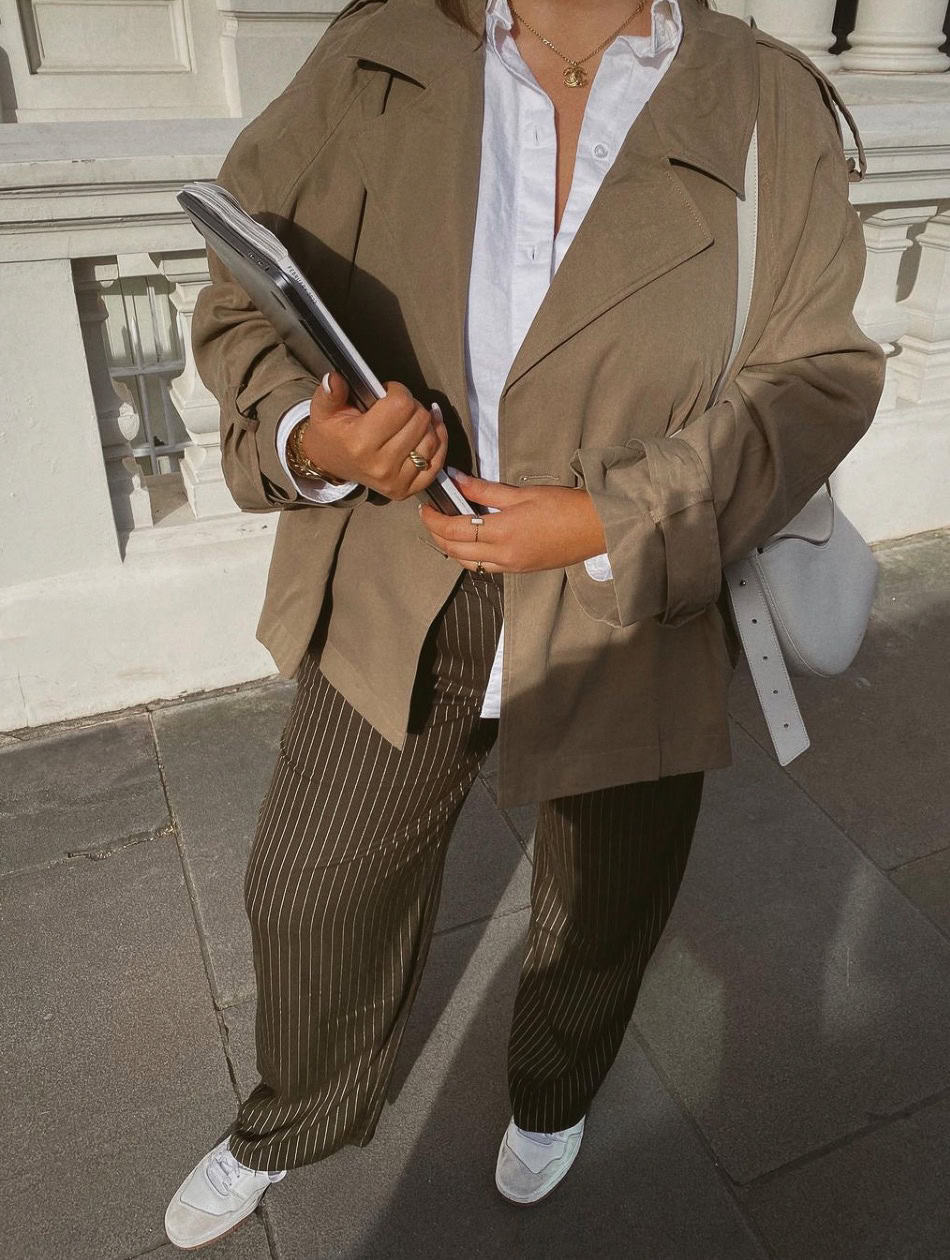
[(420, 461), (476, 521)]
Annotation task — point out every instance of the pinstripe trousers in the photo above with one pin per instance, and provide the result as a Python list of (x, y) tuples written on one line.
[(342, 888)]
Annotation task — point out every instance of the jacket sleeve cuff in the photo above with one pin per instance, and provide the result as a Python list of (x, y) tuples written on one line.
[(655, 503), (261, 413), (315, 491)]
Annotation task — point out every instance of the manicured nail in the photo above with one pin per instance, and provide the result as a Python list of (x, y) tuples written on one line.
[(455, 473), (437, 409), (326, 384)]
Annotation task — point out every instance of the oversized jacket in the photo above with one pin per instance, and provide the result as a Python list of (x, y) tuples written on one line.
[(367, 167)]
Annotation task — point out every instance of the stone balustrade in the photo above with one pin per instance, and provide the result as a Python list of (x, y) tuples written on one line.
[(126, 579), (889, 36), (898, 37)]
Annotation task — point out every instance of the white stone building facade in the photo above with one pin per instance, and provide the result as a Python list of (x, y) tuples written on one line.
[(126, 573)]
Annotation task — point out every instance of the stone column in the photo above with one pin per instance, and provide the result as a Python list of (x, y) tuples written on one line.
[(204, 481), (923, 366), (898, 37), (878, 311), (737, 8), (118, 419), (804, 23), (57, 518)]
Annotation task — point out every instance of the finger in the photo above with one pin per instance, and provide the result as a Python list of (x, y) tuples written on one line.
[(433, 449), (459, 529), (470, 551), (330, 396), (428, 444), (421, 479), (437, 457), (489, 493), (436, 461), (406, 438), (388, 415)]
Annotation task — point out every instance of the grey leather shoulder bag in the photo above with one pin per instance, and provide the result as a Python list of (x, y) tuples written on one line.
[(800, 602)]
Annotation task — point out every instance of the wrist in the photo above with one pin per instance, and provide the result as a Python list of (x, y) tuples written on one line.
[(301, 463), (595, 538)]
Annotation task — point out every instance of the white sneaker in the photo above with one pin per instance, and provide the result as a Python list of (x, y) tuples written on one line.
[(217, 1194), (530, 1165)]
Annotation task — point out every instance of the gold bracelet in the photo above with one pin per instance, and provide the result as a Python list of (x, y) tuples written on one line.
[(300, 464)]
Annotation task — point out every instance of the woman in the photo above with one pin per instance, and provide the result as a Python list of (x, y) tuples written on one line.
[(429, 167)]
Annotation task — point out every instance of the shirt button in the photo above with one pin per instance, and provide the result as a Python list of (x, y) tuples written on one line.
[(600, 150)]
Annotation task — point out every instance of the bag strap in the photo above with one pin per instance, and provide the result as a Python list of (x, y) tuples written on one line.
[(750, 609), (747, 223)]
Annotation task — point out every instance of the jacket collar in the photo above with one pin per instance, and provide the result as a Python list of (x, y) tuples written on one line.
[(703, 109), (420, 162)]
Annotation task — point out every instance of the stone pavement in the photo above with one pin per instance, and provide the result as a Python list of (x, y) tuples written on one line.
[(783, 1090)]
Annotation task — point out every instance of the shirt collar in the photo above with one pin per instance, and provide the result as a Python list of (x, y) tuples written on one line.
[(666, 27)]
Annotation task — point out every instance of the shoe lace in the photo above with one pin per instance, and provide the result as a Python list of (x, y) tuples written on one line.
[(224, 1170)]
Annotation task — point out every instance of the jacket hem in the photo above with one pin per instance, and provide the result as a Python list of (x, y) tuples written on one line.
[(631, 764), (357, 692)]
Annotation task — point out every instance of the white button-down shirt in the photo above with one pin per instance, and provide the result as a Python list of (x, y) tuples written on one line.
[(515, 251)]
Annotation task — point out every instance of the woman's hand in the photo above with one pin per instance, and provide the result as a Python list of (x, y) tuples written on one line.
[(539, 527), (372, 447)]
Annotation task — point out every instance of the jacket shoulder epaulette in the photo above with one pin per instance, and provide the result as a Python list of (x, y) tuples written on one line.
[(348, 10), (830, 94)]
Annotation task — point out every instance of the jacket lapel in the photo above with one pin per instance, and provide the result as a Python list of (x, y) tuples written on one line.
[(641, 223), (421, 162)]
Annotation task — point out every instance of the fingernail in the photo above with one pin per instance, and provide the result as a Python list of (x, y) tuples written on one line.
[(436, 408), (326, 384), (455, 472)]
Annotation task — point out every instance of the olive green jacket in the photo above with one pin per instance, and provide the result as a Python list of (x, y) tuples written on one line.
[(367, 165)]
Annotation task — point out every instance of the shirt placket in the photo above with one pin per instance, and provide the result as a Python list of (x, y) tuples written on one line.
[(536, 173)]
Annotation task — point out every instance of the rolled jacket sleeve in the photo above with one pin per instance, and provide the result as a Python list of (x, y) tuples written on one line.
[(677, 509), (238, 354)]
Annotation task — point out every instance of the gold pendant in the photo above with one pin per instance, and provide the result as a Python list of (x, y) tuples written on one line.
[(574, 76)]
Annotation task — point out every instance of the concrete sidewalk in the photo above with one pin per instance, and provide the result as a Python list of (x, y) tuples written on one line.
[(783, 1090)]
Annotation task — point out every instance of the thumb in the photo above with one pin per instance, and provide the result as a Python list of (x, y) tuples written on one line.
[(488, 493), (330, 395)]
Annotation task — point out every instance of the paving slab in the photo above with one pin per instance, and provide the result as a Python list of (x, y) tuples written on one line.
[(83, 788), (796, 995), (219, 755), (521, 818), (883, 1196), (247, 1242), (927, 883), (914, 588), (486, 871), (879, 732), (424, 1187), (239, 1043), (113, 1069)]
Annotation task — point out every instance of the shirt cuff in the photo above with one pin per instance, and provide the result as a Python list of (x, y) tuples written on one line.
[(598, 567), (315, 491)]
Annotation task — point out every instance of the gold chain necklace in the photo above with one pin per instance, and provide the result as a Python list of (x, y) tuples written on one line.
[(574, 75)]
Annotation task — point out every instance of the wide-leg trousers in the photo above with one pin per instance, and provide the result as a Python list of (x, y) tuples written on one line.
[(342, 888)]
